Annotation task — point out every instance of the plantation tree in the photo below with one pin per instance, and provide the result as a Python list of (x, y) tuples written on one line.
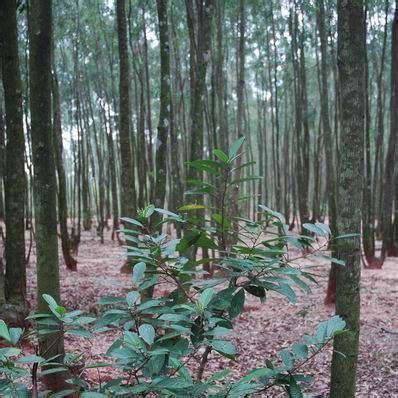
[(2, 161), (70, 262), (199, 21), (388, 246), (350, 52), (165, 113), (15, 275), (40, 36), (327, 133), (127, 164)]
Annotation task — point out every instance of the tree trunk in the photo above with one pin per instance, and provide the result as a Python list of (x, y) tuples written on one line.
[(166, 113), (40, 32), (351, 61), (128, 205), (388, 247), (327, 132), (2, 164), (202, 55), (70, 262), (14, 185)]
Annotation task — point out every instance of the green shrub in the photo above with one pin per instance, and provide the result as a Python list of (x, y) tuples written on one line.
[(165, 341)]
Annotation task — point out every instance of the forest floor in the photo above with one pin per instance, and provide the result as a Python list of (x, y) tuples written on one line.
[(262, 329)]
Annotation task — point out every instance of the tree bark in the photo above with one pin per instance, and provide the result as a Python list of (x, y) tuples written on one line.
[(351, 61), (70, 262), (40, 33), (390, 168), (2, 163), (14, 183), (166, 122), (128, 205)]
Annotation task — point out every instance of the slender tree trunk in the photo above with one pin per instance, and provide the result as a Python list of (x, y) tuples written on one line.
[(70, 262), (351, 45), (128, 205), (2, 164), (388, 247), (203, 41), (148, 112), (240, 90), (166, 113), (40, 33), (378, 163), (15, 167), (327, 132), (368, 236)]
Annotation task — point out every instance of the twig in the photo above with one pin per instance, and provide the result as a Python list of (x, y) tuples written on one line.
[(203, 362)]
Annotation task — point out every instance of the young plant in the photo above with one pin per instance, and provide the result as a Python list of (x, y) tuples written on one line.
[(174, 319)]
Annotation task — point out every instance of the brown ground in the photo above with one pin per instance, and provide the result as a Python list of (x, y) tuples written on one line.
[(262, 329)]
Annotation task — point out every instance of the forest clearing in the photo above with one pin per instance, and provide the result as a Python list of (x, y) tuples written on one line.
[(198, 198)]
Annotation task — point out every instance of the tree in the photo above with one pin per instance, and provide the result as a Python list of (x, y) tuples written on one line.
[(351, 61), (200, 56), (391, 157), (127, 172), (70, 262), (40, 33), (15, 172), (166, 112), (327, 133), (2, 162)]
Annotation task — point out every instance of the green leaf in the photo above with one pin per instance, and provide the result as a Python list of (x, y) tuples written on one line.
[(50, 301), (279, 216), (63, 393), (300, 350), (337, 261), (80, 332), (131, 221), (233, 150), (92, 394), (110, 300), (53, 370), (147, 333), (132, 298), (334, 325), (138, 272), (237, 303), (15, 334), (9, 352), (287, 291), (321, 333), (168, 214), (293, 389), (4, 333), (257, 291), (221, 155), (209, 166), (347, 236), (245, 179), (287, 358), (257, 373), (191, 207), (223, 347), (318, 229), (205, 298), (31, 359), (134, 341)]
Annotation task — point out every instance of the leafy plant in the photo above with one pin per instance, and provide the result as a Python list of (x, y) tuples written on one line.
[(166, 335)]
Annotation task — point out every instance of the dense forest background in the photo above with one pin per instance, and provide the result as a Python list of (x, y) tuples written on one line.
[(265, 71), (111, 110)]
